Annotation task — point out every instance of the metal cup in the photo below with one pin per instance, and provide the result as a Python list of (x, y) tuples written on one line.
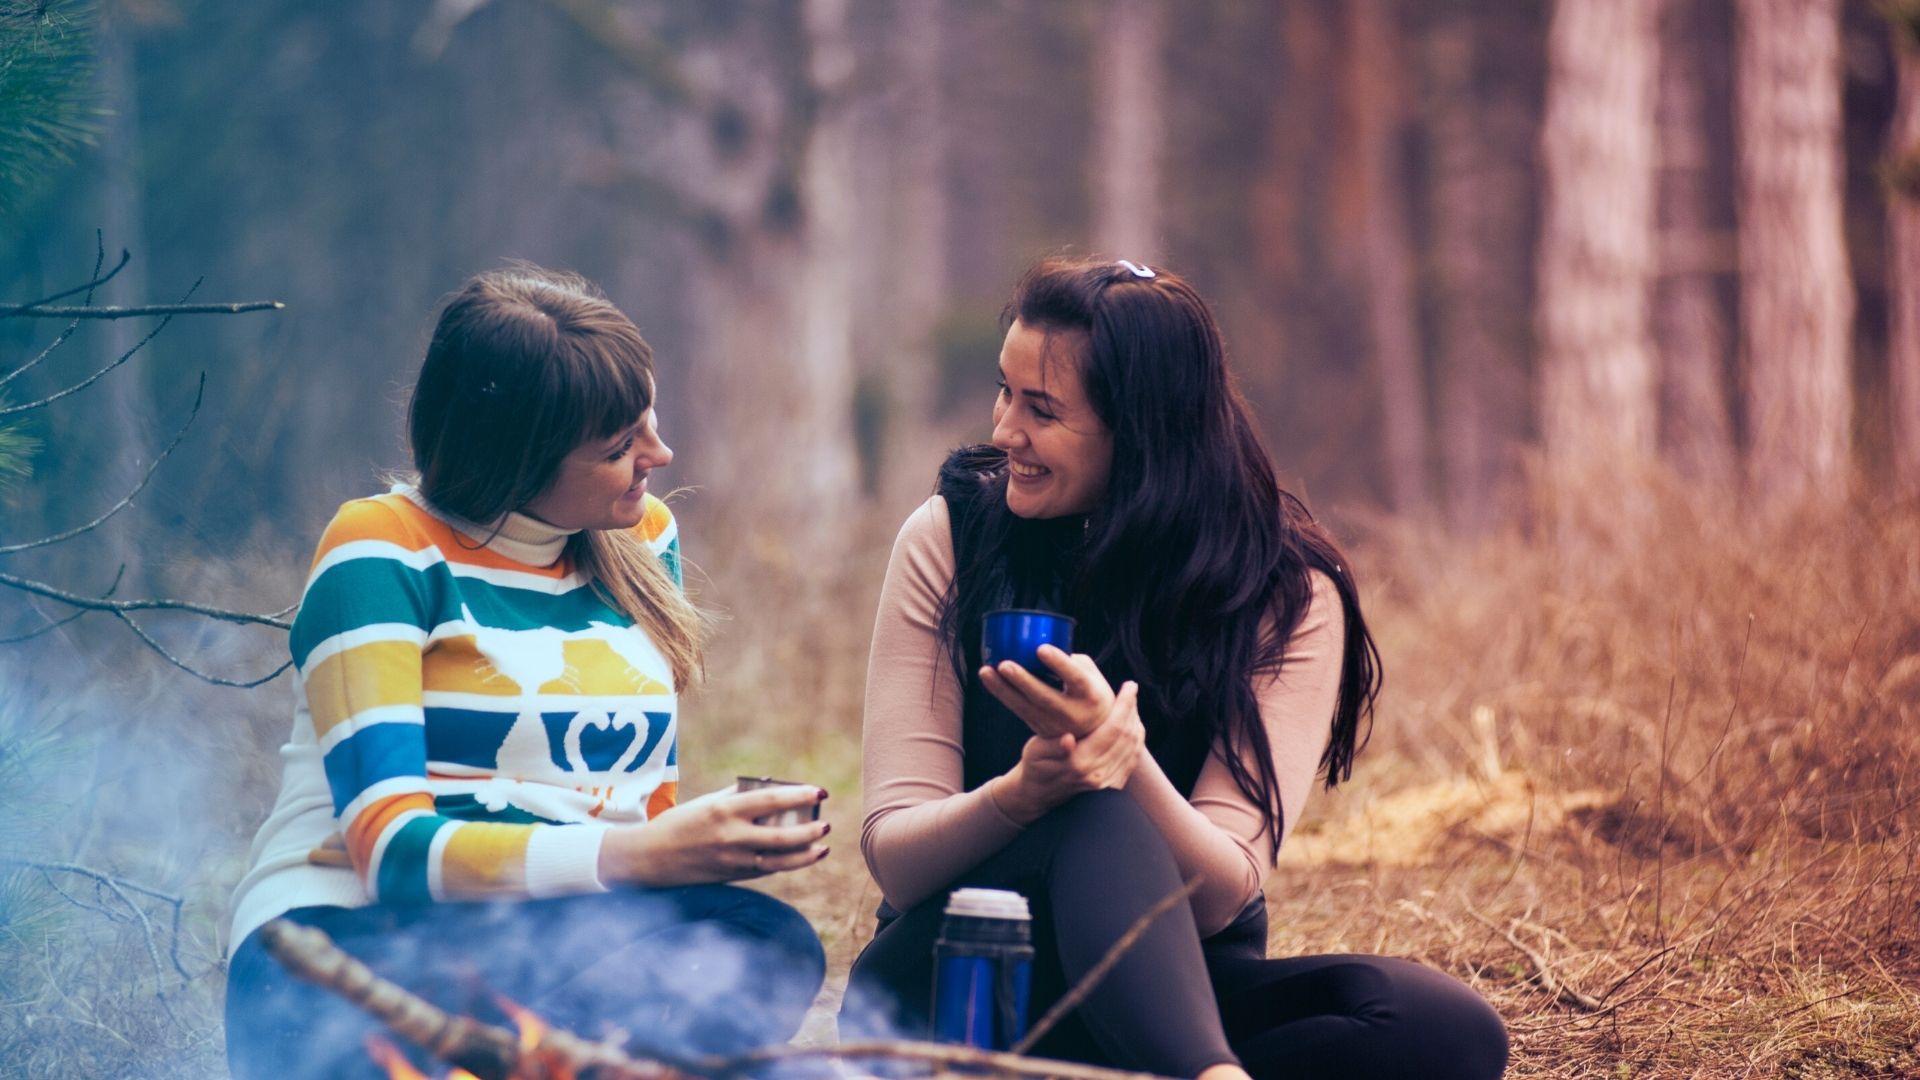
[(1017, 633), (800, 816)]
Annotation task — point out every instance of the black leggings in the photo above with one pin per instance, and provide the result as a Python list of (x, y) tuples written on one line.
[(1174, 1004)]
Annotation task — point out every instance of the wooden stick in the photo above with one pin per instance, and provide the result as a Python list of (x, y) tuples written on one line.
[(493, 1053), (1081, 990)]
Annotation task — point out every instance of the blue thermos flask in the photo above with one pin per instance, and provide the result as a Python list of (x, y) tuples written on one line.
[(982, 967)]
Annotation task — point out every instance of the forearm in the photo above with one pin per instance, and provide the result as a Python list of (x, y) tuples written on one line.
[(913, 851), (1229, 870)]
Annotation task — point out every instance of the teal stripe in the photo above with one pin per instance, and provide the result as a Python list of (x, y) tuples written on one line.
[(670, 555), (365, 592), (403, 866)]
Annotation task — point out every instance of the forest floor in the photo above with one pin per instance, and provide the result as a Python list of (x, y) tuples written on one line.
[(1648, 783), (1650, 787)]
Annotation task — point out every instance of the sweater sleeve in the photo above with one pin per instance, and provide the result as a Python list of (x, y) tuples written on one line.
[(1218, 833), (364, 623), (920, 829)]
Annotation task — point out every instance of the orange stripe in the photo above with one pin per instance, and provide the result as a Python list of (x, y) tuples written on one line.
[(365, 829), (395, 519), (663, 799)]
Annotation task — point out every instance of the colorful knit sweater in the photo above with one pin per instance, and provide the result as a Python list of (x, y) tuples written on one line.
[(467, 723)]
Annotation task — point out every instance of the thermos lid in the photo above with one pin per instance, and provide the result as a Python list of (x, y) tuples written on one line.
[(988, 904)]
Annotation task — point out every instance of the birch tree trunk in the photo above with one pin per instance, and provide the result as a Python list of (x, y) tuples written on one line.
[(1796, 299), (1596, 255), (1376, 102), (1691, 327), (1903, 250), (1129, 130)]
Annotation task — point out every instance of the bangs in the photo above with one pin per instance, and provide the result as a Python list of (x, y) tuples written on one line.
[(609, 379)]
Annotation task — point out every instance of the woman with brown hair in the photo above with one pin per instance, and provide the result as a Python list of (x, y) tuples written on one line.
[(480, 793), (1221, 661)]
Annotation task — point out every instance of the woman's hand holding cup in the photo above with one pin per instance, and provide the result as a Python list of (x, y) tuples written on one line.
[(1055, 768), (1082, 702), (717, 837)]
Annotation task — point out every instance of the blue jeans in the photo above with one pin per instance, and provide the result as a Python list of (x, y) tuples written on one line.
[(704, 969)]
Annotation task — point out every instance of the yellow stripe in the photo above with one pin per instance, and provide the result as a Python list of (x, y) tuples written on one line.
[(593, 668), (656, 519), (455, 666), (485, 858), (377, 673)]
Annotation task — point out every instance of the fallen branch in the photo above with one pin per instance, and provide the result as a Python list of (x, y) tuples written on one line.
[(1543, 971), (493, 1053), (1091, 980), (33, 311)]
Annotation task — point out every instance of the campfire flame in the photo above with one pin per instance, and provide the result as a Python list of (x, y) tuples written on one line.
[(532, 1028), (390, 1057)]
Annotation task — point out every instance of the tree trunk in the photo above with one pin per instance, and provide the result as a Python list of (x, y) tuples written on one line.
[(1689, 319), (1376, 106), (1596, 253), (1796, 300), (1480, 132), (1129, 131), (1903, 251), (914, 257)]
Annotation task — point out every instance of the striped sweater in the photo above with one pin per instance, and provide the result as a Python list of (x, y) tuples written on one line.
[(467, 723)]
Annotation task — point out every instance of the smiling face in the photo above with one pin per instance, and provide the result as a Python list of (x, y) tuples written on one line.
[(1058, 451), (602, 483)]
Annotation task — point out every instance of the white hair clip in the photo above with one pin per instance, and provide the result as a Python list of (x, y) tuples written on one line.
[(1138, 270)]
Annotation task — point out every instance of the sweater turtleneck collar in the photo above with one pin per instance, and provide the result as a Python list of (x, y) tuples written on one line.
[(520, 537)]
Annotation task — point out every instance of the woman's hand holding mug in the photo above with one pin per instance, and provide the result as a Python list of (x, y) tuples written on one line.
[(1080, 705), (715, 838)]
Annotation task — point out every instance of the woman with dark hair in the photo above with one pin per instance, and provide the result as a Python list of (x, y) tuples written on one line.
[(480, 793), (1125, 487)]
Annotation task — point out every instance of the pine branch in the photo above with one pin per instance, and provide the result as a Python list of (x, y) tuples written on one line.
[(35, 312), (46, 541), (102, 373), (217, 680), (58, 623), (99, 279), (40, 588), (99, 259)]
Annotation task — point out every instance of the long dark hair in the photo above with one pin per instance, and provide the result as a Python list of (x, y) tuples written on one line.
[(1192, 572)]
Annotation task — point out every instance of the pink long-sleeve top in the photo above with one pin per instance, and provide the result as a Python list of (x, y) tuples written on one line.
[(921, 830)]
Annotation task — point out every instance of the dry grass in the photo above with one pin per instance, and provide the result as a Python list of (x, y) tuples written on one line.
[(1664, 765)]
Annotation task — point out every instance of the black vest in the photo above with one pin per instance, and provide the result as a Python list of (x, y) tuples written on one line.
[(1040, 562), (991, 736)]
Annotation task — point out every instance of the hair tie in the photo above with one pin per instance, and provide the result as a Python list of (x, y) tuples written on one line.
[(1139, 271)]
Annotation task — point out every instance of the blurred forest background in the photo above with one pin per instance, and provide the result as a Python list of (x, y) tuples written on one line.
[(1594, 325)]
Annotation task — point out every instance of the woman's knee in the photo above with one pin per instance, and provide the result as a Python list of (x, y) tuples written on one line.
[(1436, 1021), (762, 918)]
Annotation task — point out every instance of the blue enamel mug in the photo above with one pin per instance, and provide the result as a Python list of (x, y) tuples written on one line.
[(1017, 633)]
